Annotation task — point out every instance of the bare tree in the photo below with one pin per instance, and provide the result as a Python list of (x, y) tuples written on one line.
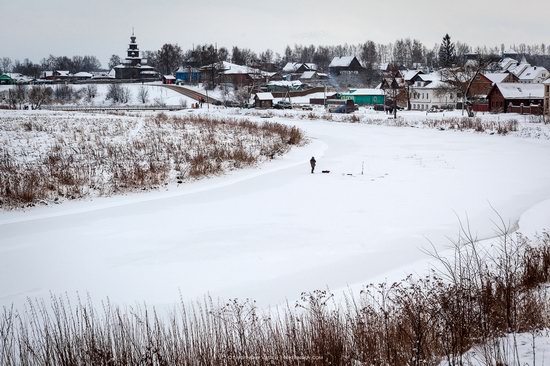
[(64, 92), (114, 61), (143, 94), (90, 92), (5, 64), (242, 95), (118, 94), (39, 95), (17, 96), (460, 80)]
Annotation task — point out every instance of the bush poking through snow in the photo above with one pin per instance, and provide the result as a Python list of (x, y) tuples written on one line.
[(73, 156)]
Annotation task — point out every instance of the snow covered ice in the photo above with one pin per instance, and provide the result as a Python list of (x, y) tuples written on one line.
[(273, 231)]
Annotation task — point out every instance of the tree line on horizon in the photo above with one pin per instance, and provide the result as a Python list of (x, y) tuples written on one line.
[(404, 53)]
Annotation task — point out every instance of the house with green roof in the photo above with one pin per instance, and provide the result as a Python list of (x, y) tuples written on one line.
[(365, 96), (6, 79)]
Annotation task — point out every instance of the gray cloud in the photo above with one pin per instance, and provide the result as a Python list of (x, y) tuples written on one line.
[(36, 28)]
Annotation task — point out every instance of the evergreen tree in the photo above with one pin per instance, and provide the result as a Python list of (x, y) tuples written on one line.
[(447, 52)]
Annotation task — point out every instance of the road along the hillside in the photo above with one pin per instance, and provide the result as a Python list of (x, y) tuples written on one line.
[(192, 94)]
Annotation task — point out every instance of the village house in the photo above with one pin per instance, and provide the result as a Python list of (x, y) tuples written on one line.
[(365, 97), (82, 75), (501, 77), (345, 65), (313, 77), (6, 79), (534, 75), (524, 71), (263, 100), (507, 64), (237, 75), (280, 86), (516, 98), (55, 75), (15, 78), (480, 88), (396, 88), (299, 67), (188, 74), (168, 79), (428, 91), (294, 70)]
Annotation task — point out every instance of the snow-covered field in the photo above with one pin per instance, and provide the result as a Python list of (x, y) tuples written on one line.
[(271, 232)]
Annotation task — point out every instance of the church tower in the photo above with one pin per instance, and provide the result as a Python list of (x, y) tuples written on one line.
[(134, 67), (133, 58)]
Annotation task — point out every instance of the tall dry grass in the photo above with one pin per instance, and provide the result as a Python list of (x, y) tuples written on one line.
[(475, 296), (44, 158)]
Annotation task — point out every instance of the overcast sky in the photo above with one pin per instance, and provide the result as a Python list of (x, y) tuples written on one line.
[(37, 28)]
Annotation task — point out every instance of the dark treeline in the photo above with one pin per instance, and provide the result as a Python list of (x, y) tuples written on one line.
[(405, 52)]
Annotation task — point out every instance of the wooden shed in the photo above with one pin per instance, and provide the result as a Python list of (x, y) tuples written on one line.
[(263, 100)]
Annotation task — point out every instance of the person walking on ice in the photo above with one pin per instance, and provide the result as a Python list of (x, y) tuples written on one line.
[(313, 162)]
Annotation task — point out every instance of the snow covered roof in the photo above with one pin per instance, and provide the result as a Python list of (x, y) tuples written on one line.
[(83, 74), (228, 68), (291, 67), (496, 77), (294, 66), (63, 72), (547, 82), (19, 77), (264, 96), (311, 66), (433, 76), (169, 77), (13, 75), (409, 74), (521, 91), (286, 83), (366, 91), (344, 61), (533, 72), (507, 63), (519, 69), (433, 81), (308, 75)]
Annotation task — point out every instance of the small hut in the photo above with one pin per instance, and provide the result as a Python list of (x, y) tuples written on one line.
[(263, 100)]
